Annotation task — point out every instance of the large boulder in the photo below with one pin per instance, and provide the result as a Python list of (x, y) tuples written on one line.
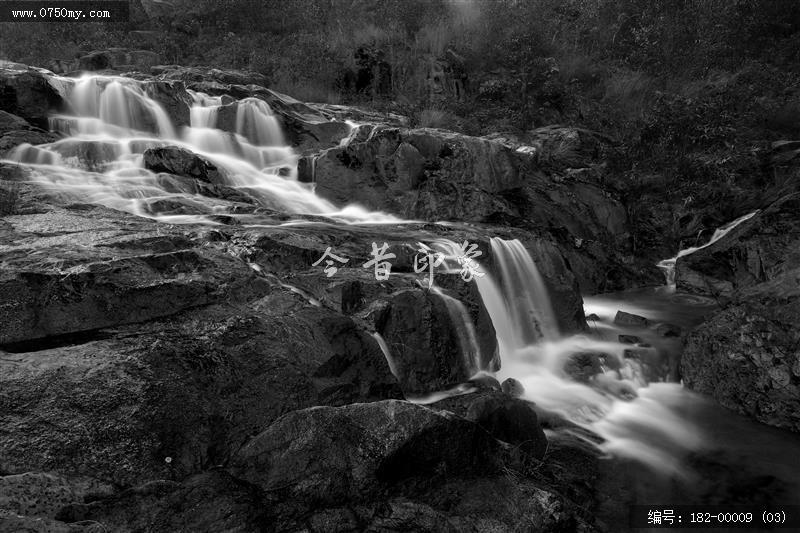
[(325, 455), (759, 249), (28, 93), (429, 341), (176, 397), (747, 356), (182, 162), (505, 417)]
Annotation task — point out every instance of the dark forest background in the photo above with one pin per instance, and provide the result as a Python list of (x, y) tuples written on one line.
[(689, 95)]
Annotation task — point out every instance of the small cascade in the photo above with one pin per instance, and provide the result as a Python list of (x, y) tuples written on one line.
[(113, 121), (634, 418), (256, 122), (386, 353), (668, 265), (203, 113), (465, 330)]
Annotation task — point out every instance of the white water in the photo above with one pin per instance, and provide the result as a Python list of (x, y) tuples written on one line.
[(668, 265), (465, 330), (113, 121), (386, 353), (636, 419)]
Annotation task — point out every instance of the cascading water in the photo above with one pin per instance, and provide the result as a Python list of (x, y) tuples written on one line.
[(465, 330), (113, 121), (635, 419), (668, 265)]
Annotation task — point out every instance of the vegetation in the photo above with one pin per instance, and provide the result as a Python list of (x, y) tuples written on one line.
[(691, 91)]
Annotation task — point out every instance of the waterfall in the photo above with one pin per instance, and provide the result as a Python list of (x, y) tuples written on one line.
[(256, 122), (386, 353), (113, 121), (668, 265), (635, 419), (465, 331)]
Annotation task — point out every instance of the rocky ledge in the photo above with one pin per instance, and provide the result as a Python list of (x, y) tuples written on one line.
[(747, 356)]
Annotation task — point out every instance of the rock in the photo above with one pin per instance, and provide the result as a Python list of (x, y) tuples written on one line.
[(116, 405), (669, 330), (171, 95), (37, 302), (182, 162), (510, 420), (627, 319), (484, 382), (9, 122), (14, 523), (426, 342), (629, 339), (747, 358), (118, 59), (328, 456), (205, 74), (14, 138), (582, 366), (28, 93), (209, 502), (759, 249), (592, 318), (512, 387), (44, 495)]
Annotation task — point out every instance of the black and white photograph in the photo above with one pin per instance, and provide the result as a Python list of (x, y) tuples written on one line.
[(389, 266)]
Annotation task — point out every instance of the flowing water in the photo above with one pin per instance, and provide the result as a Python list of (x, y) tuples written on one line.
[(668, 265), (629, 402), (113, 121)]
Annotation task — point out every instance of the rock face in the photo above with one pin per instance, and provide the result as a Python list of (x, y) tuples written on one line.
[(757, 250), (430, 347), (118, 59), (748, 357), (334, 455), (182, 162), (213, 377), (28, 93)]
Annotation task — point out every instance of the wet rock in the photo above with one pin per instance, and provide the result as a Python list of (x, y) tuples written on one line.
[(14, 523), (758, 250), (205, 74), (510, 420), (182, 162), (628, 319), (172, 398), (209, 502), (39, 302), (582, 366), (327, 455), (171, 95), (14, 138), (669, 330), (512, 387), (118, 59), (425, 342), (44, 495), (747, 356), (27, 92), (629, 339), (485, 382), (9, 122)]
